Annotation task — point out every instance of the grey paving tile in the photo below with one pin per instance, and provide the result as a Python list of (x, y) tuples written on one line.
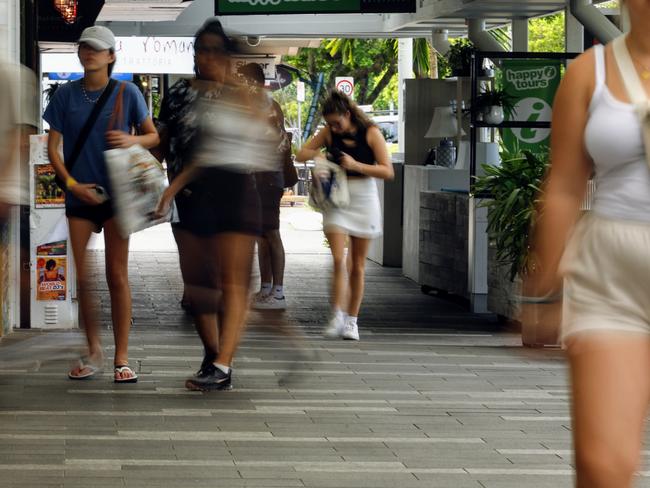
[(428, 398)]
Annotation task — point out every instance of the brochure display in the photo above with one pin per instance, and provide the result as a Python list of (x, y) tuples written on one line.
[(53, 278)]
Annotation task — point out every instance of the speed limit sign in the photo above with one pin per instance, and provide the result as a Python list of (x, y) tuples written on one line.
[(345, 84)]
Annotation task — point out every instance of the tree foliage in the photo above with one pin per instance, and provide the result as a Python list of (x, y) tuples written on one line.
[(372, 63), (546, 34)]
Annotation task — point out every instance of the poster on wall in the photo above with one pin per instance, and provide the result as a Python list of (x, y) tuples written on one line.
[(47, 194), (532, 83), (51, 278)]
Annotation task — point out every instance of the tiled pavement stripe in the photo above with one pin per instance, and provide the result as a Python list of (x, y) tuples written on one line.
[(433, 354), (517, 394), (397, 402), (272, 372), (532, 418), (361, 467), (240, 437), (542, 452), (499, 366)]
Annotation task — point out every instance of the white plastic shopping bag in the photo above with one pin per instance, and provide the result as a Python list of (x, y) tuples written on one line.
[(329, 186), (138, 181)]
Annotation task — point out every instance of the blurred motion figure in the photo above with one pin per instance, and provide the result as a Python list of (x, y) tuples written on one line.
[(606, 263)]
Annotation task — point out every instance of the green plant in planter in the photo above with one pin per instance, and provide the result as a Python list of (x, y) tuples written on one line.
[(495, 97), (459, 57), (511, 193)]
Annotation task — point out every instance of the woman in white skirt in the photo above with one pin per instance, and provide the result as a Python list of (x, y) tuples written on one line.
[(606, 267), (354, 142)]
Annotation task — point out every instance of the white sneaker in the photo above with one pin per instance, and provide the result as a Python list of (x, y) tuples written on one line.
[(260, 295), (350, 331), (335, 327), (270, 302)]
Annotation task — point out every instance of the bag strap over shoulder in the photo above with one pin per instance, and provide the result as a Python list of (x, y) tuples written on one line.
[(89, 124), (634, 87), (118, 109)]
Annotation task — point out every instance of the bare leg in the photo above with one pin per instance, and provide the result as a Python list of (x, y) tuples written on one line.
[(264, 260), (117, 276), (609, 375), (276, 248), (235, 256), (359, 252), (337, 248), (198, 268), (185, 303), (80, 231)]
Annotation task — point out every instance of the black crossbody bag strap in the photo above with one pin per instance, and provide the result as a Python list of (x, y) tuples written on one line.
[(85, 130)]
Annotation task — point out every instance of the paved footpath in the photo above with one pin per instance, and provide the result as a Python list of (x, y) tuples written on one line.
[(431, 397)]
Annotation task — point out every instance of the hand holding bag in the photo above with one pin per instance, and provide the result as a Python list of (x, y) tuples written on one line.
[(634, 87), (138, 181), (329, 186)]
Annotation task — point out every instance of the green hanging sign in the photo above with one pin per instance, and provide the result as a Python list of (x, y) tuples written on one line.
[(251, 7), (267, 7), (532, 83)]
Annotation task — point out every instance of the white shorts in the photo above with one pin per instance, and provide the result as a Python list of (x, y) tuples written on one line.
[(607, 277), (362, 218)]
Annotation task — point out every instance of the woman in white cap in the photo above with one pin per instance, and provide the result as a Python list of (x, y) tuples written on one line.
[(79, 115), (597, 129)]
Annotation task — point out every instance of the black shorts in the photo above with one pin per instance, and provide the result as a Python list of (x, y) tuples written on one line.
[(270, 197), (97, 214), (220, 201)]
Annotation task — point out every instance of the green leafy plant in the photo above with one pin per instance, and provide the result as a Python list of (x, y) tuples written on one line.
[(512, 191), (495, 97), (459, 57), (51, 90)]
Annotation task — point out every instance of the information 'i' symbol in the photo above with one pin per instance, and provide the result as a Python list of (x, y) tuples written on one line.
[(538, 110)]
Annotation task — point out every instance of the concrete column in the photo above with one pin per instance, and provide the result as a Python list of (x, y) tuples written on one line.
[(405, 71), (440, 45), (520, 35), (625, 19), (574, 32)]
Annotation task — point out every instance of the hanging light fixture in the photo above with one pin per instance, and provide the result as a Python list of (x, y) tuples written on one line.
[(67, 9)]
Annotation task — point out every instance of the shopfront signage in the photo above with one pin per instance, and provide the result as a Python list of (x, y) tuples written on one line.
[(265, 7), (532, 84), (151, 55), (267, 64)]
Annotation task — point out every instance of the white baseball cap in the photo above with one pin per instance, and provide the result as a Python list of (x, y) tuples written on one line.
[(98, 37)]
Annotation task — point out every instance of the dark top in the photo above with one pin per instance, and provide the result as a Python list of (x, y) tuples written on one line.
[(178, 118), (356, 145)]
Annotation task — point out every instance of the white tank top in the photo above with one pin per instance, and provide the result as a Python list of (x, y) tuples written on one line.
[(614, 140)]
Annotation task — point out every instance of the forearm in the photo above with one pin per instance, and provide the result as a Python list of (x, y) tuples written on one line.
[(147, 140), (305, 154), (57, 163), (182, 179), (559, 213), (380, 171)]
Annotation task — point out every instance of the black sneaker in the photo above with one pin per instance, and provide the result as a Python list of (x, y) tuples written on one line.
[(208, 359), (212, 379)]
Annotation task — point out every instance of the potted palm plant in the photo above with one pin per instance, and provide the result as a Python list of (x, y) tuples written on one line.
[(511, 192)]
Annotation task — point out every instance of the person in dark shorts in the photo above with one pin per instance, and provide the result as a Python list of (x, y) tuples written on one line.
[(270, 186), (87, 200), (205, 123)]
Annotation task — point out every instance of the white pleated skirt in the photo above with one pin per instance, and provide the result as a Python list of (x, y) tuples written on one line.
[(362, 218)]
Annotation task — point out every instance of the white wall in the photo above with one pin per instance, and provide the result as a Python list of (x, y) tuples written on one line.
[(9, 51)]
